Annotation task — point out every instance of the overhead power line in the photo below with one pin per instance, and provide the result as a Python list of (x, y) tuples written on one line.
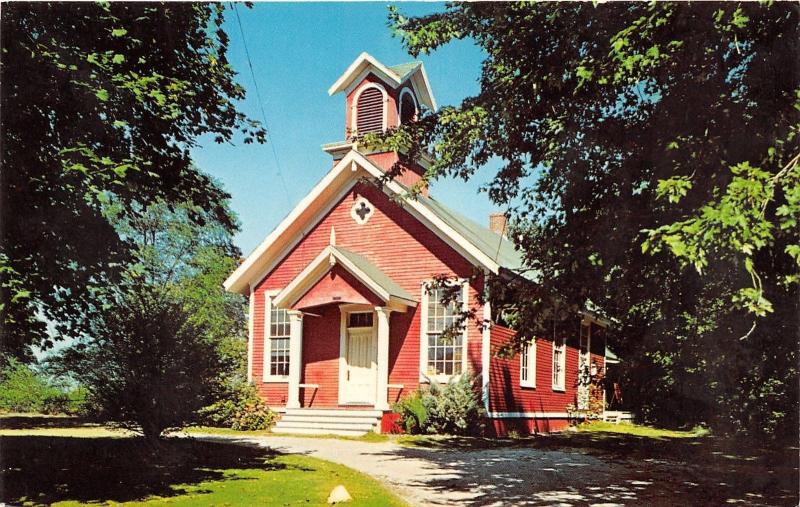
[(271, 139)]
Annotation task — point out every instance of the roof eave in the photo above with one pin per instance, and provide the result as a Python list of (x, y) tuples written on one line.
[(364, 61)]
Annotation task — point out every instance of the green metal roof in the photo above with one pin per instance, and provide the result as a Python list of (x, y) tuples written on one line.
[(611, 357), (491, 244), (375, 274), (404, 69)]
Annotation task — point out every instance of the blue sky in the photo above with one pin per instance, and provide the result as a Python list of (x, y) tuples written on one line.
[(298, 50)]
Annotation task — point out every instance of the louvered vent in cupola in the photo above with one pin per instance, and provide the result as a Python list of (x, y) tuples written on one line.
[(369, 116)]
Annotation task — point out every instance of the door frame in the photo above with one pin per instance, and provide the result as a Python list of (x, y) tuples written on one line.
[(345, 311)]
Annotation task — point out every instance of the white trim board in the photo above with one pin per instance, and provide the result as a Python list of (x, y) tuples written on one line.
[(365, 63), (528, 415), (322, 264), (250, 327), (322, 198)]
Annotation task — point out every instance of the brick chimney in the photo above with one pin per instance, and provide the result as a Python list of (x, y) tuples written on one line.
[(498, 223)]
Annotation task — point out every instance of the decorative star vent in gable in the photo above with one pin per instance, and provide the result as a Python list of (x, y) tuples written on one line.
[(362, 210)]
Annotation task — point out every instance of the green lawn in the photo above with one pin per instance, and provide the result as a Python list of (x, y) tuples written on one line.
[(49, 466), (209, 430), (640, 430)]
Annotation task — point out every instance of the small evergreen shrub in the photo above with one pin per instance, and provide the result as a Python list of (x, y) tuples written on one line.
[(452, 409), (413, 414), (242, 410)]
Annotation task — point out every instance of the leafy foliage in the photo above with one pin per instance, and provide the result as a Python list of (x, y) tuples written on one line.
[(23, 389), (162, 342), (650, 170), (454, 409), (242, 409), (413, 414), (101, 103)]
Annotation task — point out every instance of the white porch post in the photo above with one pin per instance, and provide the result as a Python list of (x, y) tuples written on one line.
[(486, 345), (382, 402), (295, 357)]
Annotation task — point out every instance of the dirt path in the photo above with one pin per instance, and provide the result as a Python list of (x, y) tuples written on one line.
[(518, 476)]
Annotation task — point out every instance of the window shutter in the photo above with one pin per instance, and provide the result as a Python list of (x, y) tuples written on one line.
[(370, 111)]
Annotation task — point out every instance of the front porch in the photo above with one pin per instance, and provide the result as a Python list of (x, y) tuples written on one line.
[(342, 312)]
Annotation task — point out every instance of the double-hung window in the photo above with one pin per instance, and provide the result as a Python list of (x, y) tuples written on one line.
[(559, 363), (276, 350), (527, 365), (443, 333)]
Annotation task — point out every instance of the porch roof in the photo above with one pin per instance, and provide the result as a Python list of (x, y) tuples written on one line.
[(367, 273)]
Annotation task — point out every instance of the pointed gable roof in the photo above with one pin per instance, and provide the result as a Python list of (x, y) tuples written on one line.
[(476, 243), (363, 270), (413, 73)]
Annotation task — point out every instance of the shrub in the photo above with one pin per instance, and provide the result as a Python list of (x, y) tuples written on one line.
[(24, 389), (413, 414), (453, 409), (242, 410)]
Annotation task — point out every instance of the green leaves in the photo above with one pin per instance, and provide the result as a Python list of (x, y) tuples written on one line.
[(107, 127), (645, 152), (674, 188)]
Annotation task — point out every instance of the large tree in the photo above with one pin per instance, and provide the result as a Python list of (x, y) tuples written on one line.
[(650, 167), (100, 101), (161, 342)]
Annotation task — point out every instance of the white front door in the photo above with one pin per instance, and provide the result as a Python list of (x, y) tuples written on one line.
[(360, 365)]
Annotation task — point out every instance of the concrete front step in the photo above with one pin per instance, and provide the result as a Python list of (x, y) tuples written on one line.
[(329, 419), (364, 426), (316, 431), (329, 422), (333, 412)]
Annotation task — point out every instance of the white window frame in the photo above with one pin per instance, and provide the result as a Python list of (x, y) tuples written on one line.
[(405, 91), (528, 365), (559, 344), (354, 106), (266, 364), (359, 200), (423, 335)]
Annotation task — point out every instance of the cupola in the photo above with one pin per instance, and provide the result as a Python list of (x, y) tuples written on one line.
[(378, 98)]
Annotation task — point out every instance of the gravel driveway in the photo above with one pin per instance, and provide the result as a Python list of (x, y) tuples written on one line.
[(519, 476)]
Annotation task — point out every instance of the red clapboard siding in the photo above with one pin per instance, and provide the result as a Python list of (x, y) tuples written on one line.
[(404, 249), (408, 177), (505, 393), (321, 357)]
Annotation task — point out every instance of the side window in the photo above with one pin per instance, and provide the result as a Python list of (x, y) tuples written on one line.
[(527, 365), (559, 363), (276, 349), (444, 353)]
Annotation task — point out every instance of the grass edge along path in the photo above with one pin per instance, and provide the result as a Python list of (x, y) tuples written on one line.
[(297, 480), (63, 466)]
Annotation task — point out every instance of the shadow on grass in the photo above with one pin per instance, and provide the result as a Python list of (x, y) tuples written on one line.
[(43, 470)]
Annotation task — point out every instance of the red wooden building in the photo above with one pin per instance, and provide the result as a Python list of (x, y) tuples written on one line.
[(342, 323)]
